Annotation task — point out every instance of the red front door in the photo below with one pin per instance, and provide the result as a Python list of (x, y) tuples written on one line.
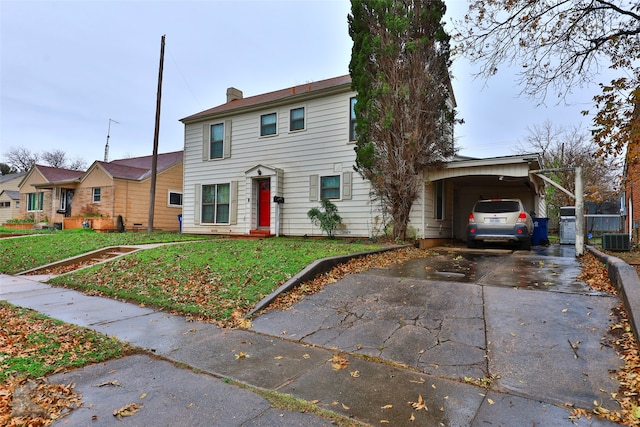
[(264, 203)]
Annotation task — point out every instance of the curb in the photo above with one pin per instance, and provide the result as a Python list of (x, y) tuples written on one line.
[(625, 278), (311, 271)]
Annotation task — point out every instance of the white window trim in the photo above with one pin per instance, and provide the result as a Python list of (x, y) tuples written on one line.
[(304, 128), (260, 125), (93, 194), (35, 195), (339, 175), (233, 203), (226, 141), (169, 204)]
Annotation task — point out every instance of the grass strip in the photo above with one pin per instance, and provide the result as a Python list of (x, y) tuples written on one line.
[(211, 280), (33, 250)]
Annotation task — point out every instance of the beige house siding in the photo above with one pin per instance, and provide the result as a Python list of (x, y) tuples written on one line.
[(132, 201)]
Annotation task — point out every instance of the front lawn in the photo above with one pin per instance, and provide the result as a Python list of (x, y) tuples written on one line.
[(215, 280), (33, 250)]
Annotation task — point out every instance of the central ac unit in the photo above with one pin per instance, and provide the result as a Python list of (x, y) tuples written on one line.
[(616, 242)]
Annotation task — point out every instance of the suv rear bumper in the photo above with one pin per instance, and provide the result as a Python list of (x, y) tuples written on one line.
[(519, 233)]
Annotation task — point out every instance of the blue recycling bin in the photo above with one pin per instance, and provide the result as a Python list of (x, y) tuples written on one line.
[(540, 231), (180, 221)]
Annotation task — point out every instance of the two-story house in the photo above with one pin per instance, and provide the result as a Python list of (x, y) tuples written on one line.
[(257, 165)]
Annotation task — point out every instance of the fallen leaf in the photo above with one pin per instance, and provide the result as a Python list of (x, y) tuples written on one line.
[(143, 395), (387, 407), (242, 355), (412, 417), (127, 410), (355, 374), (491, 402), (564, 310), (345, 407), (420, 404)]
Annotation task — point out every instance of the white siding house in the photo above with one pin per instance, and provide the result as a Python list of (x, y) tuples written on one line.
[(293, 143), (298, 144)]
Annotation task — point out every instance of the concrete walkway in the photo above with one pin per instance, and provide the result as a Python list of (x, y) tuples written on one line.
[(403, 346)]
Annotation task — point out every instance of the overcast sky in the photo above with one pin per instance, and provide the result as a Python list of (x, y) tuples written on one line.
[(67, 67)]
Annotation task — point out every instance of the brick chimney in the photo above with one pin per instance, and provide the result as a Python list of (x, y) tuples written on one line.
[(233, 94)]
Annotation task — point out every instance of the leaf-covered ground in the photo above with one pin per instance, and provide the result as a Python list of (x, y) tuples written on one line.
[(622, 338), (33, 346), (22, 338)]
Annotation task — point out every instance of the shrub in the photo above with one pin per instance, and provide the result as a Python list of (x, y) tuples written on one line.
[(326, 217)]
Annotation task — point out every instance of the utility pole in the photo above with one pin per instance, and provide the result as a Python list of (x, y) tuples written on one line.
[(106, 147), (154, 159)]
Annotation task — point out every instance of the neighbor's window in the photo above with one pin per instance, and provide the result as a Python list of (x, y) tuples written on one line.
[(215, 203), (330, 187), (296, 117), (352, 120), (440, 199), (5, 204), (216, 149), (97, 194), (35, 201), (175, 198), (268, 124)]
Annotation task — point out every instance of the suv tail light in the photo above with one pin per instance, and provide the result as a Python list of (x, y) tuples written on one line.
[(472, 220), (522, 217)]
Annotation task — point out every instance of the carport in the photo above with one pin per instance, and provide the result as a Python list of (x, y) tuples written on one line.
[(467, 180)]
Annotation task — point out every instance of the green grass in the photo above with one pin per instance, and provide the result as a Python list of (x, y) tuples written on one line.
[(35, 345), (36, 249), (211, 278)]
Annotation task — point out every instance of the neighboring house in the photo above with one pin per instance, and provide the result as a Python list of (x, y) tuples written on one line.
[(107, 190), (10, 196), (296, 145), (46, 193), (122, 188)]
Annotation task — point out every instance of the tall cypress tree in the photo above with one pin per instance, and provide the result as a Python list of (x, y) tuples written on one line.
[(404, 117)]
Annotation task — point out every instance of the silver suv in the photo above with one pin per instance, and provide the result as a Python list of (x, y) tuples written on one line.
[(499, 220)]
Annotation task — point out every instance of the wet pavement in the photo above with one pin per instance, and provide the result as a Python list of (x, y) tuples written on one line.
[(408, 345)]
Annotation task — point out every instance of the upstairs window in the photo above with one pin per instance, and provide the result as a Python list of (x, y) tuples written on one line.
[(268, 124), (296, 119), (97, 195), (352, 120), (216, 144)]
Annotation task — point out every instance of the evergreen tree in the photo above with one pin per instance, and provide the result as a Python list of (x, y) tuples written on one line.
[(404, 120)]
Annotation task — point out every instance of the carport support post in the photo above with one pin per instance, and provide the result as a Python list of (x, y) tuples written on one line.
[(579, 212)]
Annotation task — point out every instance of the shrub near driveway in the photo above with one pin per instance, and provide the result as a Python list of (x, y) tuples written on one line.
[(24, 253), (216, 280)]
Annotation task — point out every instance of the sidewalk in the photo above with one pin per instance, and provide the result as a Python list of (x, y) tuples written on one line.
[(399, 344)]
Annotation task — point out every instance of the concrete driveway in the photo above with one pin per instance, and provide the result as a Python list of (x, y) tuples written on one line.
[(520, 321)]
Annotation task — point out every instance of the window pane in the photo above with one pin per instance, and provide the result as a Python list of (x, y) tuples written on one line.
[(216, 150), (223, 193), (175, 199), (222, 214), (297, 119), (207, 213), (268, 124), (208, 193), (217, 132)]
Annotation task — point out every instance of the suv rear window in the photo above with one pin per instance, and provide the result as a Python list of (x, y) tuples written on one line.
[(498, 206)]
